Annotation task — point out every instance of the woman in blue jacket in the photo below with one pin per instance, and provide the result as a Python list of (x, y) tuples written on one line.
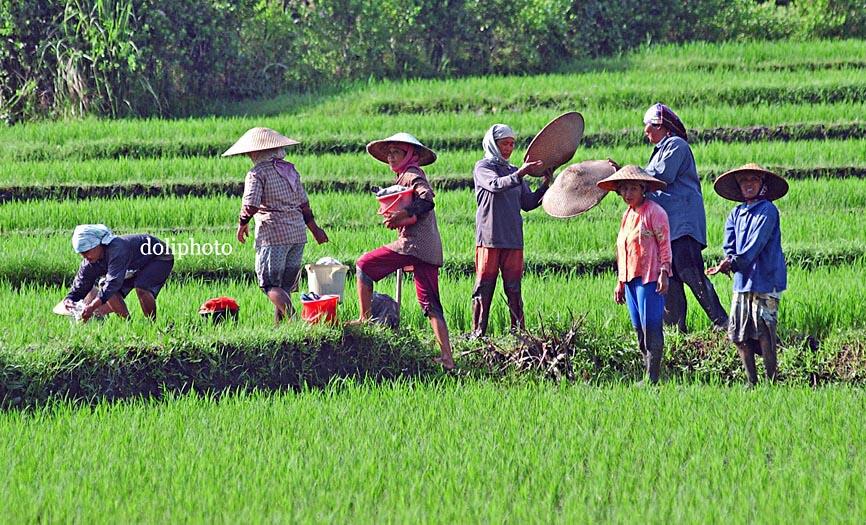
[(672, 162)]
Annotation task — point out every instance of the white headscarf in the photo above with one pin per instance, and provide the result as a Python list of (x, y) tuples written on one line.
[(89, 236), (267, 154), (491, 150)]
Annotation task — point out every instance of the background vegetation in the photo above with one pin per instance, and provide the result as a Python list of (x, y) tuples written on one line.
[(176, 57)]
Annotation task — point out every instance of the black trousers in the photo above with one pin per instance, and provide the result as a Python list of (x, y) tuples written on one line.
[(688, 269)]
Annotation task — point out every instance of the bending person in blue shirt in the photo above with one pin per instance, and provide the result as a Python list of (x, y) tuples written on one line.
[(140, 262), (753, 252), (672, 162)]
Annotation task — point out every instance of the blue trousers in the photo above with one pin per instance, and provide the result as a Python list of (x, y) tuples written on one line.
[(647, 307)]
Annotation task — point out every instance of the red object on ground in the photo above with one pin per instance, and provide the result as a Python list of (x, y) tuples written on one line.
[(322, 310), (396, 202), (218, 303)]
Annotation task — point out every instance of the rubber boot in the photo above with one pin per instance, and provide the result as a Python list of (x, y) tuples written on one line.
[(641, 345), (768, 351), (747, 356), (515, 305), (655, 345), (482, 297), (706, 295), (675, 305)]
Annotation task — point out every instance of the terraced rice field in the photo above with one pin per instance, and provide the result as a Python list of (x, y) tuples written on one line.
[(406, 444)]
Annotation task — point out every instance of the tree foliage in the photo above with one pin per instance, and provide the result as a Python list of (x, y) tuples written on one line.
[(172, 57)]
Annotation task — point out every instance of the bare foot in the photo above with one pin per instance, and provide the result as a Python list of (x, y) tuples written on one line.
[(447, 364)]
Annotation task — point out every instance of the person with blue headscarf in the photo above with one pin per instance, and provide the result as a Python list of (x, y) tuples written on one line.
[(141, 262), (500, 193)]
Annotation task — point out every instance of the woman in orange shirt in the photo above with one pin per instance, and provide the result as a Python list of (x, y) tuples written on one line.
[(643, 258)]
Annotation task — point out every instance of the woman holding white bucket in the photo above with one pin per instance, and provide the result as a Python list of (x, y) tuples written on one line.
[(418, 242), (275, 197)]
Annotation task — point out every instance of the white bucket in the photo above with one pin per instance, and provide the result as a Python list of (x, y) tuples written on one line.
[(327, 279)]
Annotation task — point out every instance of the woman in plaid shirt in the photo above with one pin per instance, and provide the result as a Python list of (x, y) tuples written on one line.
[(275, 198)]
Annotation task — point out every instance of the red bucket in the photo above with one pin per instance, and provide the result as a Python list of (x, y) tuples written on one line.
[(395, 202), (321, 310)]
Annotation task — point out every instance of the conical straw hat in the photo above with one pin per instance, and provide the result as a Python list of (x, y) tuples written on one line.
[(631, 173), (574, 191), (556, 143), (378, 148), (259, 139), (726, 184)]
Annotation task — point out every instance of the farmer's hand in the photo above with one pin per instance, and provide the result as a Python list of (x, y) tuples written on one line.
[(613, 164), (319, 234), (529, 166), (619, 293), (663, 283), (90, 309), (724, 266), (393, 219), (243, 232), (69, 304)]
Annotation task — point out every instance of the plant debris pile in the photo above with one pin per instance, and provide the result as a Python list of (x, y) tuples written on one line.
[(549, 353)]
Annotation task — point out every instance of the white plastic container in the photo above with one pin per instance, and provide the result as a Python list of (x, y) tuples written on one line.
[(327, 277)]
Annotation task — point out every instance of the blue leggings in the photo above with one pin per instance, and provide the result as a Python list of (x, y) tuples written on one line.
[(646, 307)]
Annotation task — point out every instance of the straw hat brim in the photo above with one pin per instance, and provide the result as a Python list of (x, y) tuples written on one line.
[(378, 148), (60, 309), (574, 191), (556, 143), (631, 174), (726, 184), (259, 139)]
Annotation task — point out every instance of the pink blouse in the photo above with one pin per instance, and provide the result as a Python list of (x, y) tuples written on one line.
[(643, 246)]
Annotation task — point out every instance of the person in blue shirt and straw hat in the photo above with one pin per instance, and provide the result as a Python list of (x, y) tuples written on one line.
[(141, 262), (753, 252)]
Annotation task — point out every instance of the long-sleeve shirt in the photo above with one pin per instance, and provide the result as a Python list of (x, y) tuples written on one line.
[(126, 252), (421, 239), (753, 242), (643, 246), (500, 195), (672, 161)]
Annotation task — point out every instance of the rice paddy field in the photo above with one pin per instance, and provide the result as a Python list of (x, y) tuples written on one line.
[(183, 421)]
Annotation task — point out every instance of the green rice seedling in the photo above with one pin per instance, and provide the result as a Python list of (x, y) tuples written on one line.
[(747, 55), (465, 451), (356, 170), (812, 306), (94, 139), (605, 89), (810, 210)]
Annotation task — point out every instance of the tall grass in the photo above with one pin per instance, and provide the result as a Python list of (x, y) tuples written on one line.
[(712, 158), (810, 210), (445, 451), (810, 307), (77, 138)]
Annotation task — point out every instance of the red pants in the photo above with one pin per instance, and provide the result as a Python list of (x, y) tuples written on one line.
[(381, 262), (490, 261)]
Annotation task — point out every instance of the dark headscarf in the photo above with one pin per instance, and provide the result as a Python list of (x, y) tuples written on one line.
[(660, 115)]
